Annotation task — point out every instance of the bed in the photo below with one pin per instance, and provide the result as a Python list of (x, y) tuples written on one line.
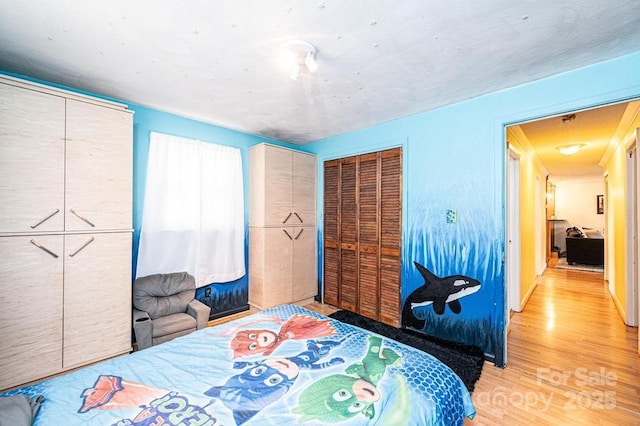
[(284, 365)]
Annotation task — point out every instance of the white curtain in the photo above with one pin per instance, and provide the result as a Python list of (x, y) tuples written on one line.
[(193, 214)]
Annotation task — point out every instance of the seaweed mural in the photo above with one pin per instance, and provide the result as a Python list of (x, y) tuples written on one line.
[(453, 281)]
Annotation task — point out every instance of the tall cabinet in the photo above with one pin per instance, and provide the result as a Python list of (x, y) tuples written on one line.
[(282, 226), (65, 230)]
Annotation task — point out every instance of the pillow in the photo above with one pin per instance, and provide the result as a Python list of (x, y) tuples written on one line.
[(593, 233)]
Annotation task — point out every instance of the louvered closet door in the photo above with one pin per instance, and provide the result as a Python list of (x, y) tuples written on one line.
[(390, 235), (331, 280), (362, 234), (368, 288), (348, 235)]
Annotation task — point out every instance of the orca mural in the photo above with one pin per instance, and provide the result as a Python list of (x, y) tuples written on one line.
[(438, 293)]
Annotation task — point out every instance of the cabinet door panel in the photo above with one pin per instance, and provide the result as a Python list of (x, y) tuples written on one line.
[(304, 189), (305, 263), (31, 314), (31, 160), (277, 186), (99, 167), (97, 297), (277, 266)]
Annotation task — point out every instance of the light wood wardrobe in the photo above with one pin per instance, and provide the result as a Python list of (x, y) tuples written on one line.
[(65, 230), (282, 226), (362, 234)]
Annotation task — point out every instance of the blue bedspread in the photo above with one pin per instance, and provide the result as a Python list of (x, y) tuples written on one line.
[(284, 365)]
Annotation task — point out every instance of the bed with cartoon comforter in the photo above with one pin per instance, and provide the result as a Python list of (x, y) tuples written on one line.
[(284, 365)]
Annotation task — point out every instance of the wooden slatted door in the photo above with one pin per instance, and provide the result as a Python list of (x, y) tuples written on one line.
[(362, 234)]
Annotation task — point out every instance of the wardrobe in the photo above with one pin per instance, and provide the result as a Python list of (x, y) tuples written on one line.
[(65, 230), (362, 234), (282, 226)]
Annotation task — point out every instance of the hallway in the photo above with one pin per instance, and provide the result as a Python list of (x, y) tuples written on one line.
[(570, 359)]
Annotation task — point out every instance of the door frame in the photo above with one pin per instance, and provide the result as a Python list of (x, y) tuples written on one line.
[(513, 233), (632, 212)]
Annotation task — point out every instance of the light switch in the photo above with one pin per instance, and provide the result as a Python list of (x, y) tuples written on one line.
[(452, 216)]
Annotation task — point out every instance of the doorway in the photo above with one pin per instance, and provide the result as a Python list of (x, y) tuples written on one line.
[(632, 236), (513, 233)]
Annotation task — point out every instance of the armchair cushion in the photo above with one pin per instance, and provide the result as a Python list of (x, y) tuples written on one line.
[(164, 294)]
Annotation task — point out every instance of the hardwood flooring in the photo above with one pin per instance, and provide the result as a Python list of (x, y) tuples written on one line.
[(571, 360)]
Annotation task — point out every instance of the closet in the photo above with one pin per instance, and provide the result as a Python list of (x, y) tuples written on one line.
[(65, 230), (282, 226), (362, 234)]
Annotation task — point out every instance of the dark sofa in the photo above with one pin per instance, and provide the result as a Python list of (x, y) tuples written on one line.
[(587, 251)]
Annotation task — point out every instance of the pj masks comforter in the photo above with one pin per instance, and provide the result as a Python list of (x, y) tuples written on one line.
[(284, 365)]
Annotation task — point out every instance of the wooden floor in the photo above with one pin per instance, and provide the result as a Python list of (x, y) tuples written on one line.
[(571, 360)]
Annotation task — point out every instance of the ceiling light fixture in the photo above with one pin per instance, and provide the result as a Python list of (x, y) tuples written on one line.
[(570, 149), (295, 55)]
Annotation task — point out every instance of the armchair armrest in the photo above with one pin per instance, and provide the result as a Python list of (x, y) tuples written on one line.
[(142, 328), (200, 312)]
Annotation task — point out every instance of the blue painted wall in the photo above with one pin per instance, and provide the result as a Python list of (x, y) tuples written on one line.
[(222, 298), (454, 159)]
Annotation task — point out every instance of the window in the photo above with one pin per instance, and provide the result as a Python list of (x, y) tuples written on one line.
[(193, 213)]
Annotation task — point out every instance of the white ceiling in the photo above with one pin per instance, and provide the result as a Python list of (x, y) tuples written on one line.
[(216, 61)]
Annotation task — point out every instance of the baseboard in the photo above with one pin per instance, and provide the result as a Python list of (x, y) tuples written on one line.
[(621, 311), (527, 296)]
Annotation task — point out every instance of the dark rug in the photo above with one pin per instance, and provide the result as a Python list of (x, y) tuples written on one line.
[(465, 360)]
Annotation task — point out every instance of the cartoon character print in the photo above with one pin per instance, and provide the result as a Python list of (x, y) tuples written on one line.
[(265, 341), (339, 397), (265, 382), (111, 392)]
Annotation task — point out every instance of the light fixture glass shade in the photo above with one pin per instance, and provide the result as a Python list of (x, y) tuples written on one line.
[(310, 62), (570, 149), (295, 72), (297, 56)]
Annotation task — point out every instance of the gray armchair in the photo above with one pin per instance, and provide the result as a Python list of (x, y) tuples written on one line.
[(164, 307)]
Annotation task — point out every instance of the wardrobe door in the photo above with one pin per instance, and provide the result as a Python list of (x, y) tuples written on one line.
[(278, 186), (97, 297), (31, 314), (349, 235), (303, 190), (31, 160), (391, 235), (368, 238), (305, 263), (331, 270), (99, 167)]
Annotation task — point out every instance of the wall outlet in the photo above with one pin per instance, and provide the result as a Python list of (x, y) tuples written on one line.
[(452, 216)]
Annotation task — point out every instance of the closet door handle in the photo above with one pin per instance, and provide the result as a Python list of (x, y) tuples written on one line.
[(44, 219), (82, 247), (287, 218), (299, 218), (288, 235), (84, 219), (299, 233), (43, 248)]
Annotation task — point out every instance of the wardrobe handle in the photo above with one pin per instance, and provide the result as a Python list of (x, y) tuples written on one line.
[(285, 231), (299, 218), (44, 249), (82, 247), (286, 219), (84, 219), (299, 233), (43, 220)]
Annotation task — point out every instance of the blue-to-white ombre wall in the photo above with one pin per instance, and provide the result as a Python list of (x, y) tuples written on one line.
[(454, 159)]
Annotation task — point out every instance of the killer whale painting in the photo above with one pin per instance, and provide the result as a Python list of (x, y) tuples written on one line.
[(437, 292)]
